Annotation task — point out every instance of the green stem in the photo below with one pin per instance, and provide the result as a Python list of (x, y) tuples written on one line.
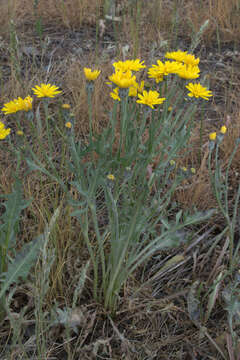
[(49, 134), (89, 97), (99, 240), (124, 109)]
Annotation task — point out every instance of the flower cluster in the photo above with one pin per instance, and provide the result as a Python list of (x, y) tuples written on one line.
[(183, 64), (19, 104)]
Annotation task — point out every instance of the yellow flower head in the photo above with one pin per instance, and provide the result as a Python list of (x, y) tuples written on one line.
[(132, 65), (163, 69), (11, 107), (223, 129), (18, 105), (198, 91), (123, 79), (111, 177), (150, 98), (172, 162), (171, 67), (190, 59), (20, 133), (66, 106), (25, 104), (156, 74), (188, 71), (68, 124), (4, 132), (91, 75), (193, 170), (182, 56), (115, 94), (46, 90), (212, 136)]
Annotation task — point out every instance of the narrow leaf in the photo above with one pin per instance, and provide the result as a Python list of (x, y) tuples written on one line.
[(22, 264)]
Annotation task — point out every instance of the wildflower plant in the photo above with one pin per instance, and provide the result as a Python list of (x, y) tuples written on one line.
[(116, 175)]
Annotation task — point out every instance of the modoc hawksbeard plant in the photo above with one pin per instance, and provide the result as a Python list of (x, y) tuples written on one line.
[(116, 176)]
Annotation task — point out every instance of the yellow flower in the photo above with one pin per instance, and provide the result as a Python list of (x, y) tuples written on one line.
[(20, 133), (155, 74), (91, 75), (46, 90), (68, 124), (223, 129), (25, 104), (193, 170), (66, 106), (136, 88), (111, 177), (190, 59), (176, 55), (184, 169), (170, 108), (182, 56), (4, 132), (11, 107), (212, 136), (115, 94), (18, 105), (123, 79), (163, 69), (150, 98), (171, 67), (133, 65), (172, 162), (198, 91), (188, 71)]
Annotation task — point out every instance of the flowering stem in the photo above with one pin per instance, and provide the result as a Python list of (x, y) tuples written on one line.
[(89, 97), (99, 240), (49, 134), (142, 127), (84, 226), (113, 120), (124, 110), (151, 134)]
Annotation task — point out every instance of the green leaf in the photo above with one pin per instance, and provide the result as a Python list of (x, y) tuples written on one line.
[(14, 205), (22, 264)]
